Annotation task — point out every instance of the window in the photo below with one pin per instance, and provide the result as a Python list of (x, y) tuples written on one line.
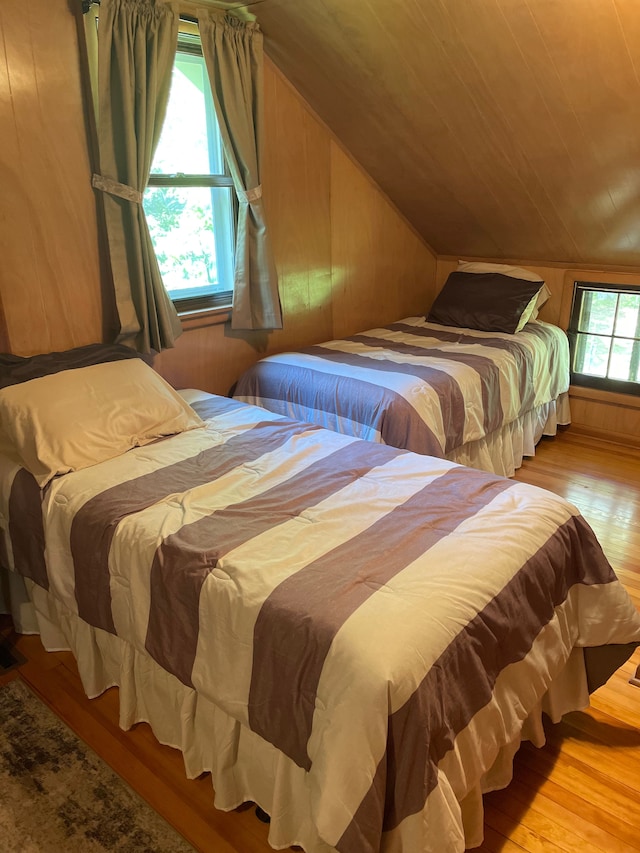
[(604, 334), (190, 201)]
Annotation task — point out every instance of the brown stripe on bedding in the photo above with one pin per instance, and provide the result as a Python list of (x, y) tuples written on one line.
[(424, 332), (26, 528), (520, 353), (523, 358), (95, 523), (486, 369), (299, 620), (186, 558), (545, 332), (209, 407), (351, 399), (445, 386), (462, 680)]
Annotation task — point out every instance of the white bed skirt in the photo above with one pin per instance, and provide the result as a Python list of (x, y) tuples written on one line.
[(503, 450), (244, 767)]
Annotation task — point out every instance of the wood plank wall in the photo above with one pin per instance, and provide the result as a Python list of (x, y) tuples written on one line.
[(50, 289), (614, 417)]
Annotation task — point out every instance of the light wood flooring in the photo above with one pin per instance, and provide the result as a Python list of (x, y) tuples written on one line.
[(579, 794)]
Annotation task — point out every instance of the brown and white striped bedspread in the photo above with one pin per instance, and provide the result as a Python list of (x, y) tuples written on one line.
[(413, 384), (386, 620)]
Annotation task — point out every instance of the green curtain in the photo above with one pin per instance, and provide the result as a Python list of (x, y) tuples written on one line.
[(137, 42), (233, 53)]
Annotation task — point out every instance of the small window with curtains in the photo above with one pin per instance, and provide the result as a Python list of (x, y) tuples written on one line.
[(604, 335), (190, 202)]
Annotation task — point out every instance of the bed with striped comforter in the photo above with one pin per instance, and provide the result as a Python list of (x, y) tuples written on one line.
[(428, 388), (385, 627)]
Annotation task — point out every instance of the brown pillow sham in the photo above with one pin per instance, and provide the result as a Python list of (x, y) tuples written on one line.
[(489, 302)]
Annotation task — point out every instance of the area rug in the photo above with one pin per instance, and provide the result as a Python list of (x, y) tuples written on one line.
[(58, 796)]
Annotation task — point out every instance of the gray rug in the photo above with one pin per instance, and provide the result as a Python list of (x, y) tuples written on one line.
[(58, 796)]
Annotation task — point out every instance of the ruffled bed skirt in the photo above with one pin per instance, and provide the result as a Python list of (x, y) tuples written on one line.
[(243, 766), (503, 450)]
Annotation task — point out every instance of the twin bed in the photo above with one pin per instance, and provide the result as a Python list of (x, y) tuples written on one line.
[(354, 636), (478, 381)]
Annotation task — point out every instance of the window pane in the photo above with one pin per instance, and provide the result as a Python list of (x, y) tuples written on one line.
[(191, 254), (604, 336), (592, 355), (621, 352), (627, 321), (190, 140), (598, 312)]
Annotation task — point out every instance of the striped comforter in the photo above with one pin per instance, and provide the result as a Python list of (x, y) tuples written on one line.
[(387, 621), (413, 384)]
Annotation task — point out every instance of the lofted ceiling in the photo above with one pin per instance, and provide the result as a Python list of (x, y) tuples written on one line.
[(499, 128)]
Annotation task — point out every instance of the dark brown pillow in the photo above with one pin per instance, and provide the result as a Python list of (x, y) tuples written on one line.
[(490, 302)]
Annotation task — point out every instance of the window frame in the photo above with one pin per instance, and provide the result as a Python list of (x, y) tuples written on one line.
[(189, 43), (585, 380)]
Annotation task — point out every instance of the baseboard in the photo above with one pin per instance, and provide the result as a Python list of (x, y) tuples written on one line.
[(619, 439)]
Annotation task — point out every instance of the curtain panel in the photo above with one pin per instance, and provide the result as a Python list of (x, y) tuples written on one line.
[(137, 42), (233, 54)]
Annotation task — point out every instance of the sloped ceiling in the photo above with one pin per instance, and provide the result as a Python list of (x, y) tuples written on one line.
[(499, 128)]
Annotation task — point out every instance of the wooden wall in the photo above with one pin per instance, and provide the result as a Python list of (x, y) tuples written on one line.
[(345, 257), (613, 417), (50, 290)]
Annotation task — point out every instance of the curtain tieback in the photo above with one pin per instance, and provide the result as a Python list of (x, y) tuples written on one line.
[(250, 195), (108, 185)]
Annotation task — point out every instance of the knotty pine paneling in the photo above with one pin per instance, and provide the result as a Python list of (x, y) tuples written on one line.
[(49, 276)]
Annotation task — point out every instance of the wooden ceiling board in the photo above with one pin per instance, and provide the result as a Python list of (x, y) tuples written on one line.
[(437, 135), (480, 117), (524, 134), (556, 129), (356, 89), (499, 128), (577, 54)]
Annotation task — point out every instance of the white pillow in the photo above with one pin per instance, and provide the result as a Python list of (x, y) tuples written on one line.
[(76, 418), (513, 272), (529, 313)]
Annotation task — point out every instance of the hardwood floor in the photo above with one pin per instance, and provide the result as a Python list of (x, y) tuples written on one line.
[(579, 794)]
